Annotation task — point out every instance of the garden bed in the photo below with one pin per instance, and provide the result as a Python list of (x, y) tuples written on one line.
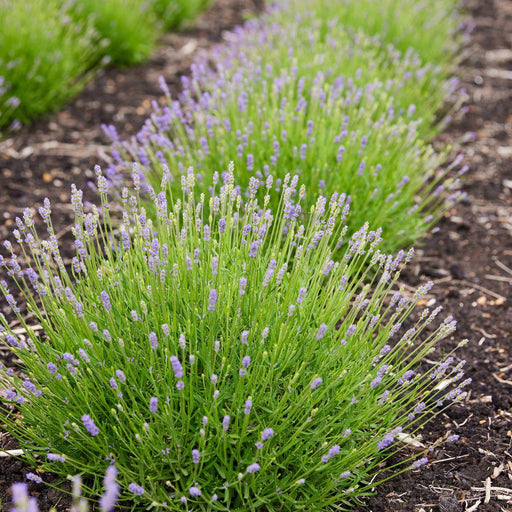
[(469, 258)]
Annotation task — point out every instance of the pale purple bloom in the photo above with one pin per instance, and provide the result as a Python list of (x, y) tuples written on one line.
[(386, 441), (153, 340), (212, 300), (34, 478), (316, 382), (106, 300), (153, 404), (196, 456), (321, 331), (195, 491), (252, 468), (55, 457), (176, 367), (136, 489), (225, 422), (108, 500), (267, 434), (90, 426)]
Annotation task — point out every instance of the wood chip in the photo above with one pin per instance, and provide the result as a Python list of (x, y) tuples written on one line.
[(498, 470), (11, 453)]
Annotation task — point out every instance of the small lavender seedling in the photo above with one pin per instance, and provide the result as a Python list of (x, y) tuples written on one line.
[(324, 391)]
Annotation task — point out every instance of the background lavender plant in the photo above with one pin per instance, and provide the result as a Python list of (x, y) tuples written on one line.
[(353, 118), (43, 58), (221, 357), (177, 13), (126, 29)]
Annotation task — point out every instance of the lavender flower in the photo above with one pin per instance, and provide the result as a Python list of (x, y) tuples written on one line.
[(194, 491), (153, 404), (34, 478), (267, 434), (225, 422), (176, 367), (196, 456), (316, 382), (106, 300), (253, 468), (88, 423), (109, 498), (212, 300), (138, 490), (321, 331)]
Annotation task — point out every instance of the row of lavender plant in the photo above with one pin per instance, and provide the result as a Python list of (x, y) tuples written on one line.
[(295, 93), (232, 338)]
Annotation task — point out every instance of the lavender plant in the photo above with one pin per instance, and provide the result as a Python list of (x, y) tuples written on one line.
[(220, 355), (176, 13), (126, 29), (44, 58), (353, 118), (341, 54), (431, 27), (336, 137)]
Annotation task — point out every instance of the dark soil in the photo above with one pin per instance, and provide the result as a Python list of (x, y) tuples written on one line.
[(469, 257)]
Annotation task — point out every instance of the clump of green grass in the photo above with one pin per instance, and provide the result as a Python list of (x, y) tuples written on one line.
[(44, 58), (221, 355), (126, 29), (177, 13), (431, 27)]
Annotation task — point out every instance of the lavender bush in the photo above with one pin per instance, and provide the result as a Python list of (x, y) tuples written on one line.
[(44, 58), (220, 355), (126, 29), (431, 27), (353, 118)]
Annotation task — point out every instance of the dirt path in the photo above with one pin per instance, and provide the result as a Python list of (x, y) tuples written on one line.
[(470, 259)]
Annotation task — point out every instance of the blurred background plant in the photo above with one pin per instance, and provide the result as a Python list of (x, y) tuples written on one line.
[(50, 48)]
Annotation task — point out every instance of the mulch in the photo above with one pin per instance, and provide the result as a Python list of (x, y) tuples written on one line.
[(469, 257)]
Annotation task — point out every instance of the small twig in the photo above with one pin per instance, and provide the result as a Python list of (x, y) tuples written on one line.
[(502, 266), (481, 288), (449, 459), (503, 381), (487, 490), (474, 507), (499, 278)]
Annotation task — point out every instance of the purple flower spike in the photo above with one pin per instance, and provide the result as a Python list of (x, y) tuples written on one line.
[(138, 490), (194, 491), (253, 468), (90, 425), (316, 382), (176, 367), (267, 434), (108, 500), (153, 404), (212, 300)]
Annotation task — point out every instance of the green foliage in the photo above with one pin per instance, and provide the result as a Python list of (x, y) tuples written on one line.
[(221, 358), (44, 58), (430, 27), (127, 29), (176, 13)]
